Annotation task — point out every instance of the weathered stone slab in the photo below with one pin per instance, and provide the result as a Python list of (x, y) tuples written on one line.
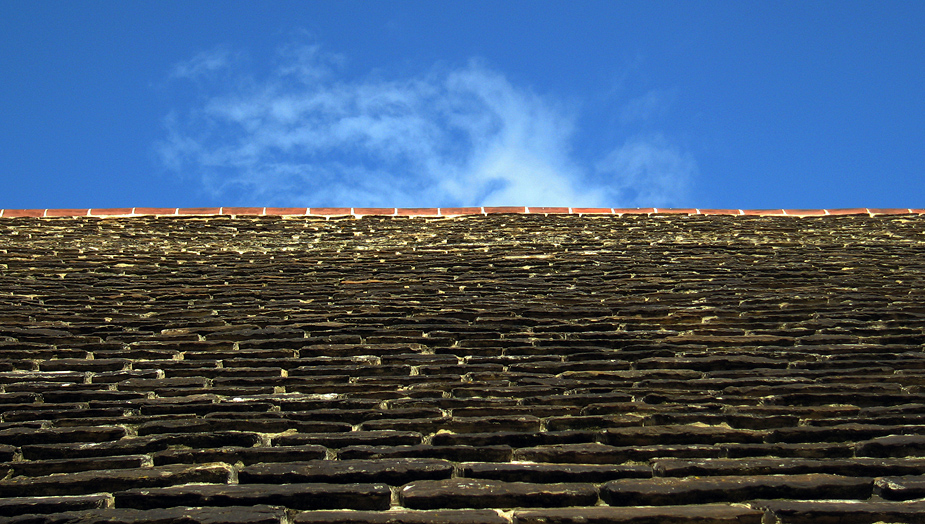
[(702, 490), (806, 450), (679, 434), (7, 452), (454, 453), (34, 468), (523, 423), (20, 436), (23, 505), (473, 493), (892, 446), (595, 453), (353, 438), (389, 471), (233, 455), (865, 467), (262, 424), (839, 433), (513, 439), (139, 445), (427, 425), (682, 514), (233, 515), (900, 488), (552, 473), (357, 416), (293, 496), (592, 421), (591, 453), (840, 512), (86, 482), (401, 517)]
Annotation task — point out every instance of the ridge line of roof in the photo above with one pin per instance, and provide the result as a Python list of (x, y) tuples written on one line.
[(436, 211)]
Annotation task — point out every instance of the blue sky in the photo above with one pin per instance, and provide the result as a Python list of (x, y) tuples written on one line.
[(793, 104)]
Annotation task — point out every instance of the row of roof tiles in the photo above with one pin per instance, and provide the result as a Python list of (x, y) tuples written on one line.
[(437, 211)]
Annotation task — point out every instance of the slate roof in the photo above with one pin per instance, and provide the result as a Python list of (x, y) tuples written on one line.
[(483, 368)]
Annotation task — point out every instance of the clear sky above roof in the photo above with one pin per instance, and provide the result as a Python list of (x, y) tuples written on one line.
[(357, 103)]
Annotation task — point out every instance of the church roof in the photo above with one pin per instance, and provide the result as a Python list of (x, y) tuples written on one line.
[(471, 366)]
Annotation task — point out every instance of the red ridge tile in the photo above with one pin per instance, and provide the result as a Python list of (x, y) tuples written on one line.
[(805, 212), (548, 210), (418, 211), (918, 211), (848, 211), (631, 210), (329, 211), (67, 212), (763, 212), (450, 211), (375, 211), (503, 209), (720, 211), (113, 211), (155, 211), (199, 211), (675, 211), (592, 211), (15, 213), (242, 211), (877, 211), (286, 211)]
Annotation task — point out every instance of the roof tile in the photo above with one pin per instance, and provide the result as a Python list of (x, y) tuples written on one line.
[(453, 211), (10, 213), (505, 210)]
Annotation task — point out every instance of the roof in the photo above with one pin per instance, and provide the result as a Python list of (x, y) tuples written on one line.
[(482, 368)]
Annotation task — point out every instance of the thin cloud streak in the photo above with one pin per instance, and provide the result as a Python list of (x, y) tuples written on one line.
[(307, 135), (204, 63)]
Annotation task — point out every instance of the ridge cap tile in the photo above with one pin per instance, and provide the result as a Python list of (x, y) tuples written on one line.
[(452, 211)]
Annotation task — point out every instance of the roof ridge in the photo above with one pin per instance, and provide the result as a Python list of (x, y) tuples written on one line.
[(437, 211)]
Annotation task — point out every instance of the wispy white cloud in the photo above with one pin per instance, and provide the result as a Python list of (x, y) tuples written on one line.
[(308, 135), (650, 106), (204, 63), (648, 172)]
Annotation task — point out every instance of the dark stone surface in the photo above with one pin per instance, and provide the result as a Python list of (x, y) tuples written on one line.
[(34, 468), (679, 434), (454, 453), (353, 438), (863, 467), (474, 493), (401, 517), (900, 488), (246, 456), (19, 436), (700, 490), (552, 473), (839, 512), (86, 482), (7, 452), (10, 507), (177, 515), (394, 472), (140, 445), (699, 514), (892, 446), (294, 496)]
